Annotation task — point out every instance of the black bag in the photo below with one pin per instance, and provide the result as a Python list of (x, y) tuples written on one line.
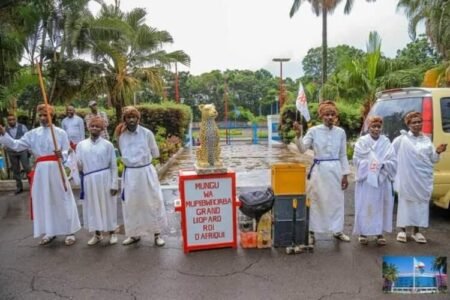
[(255, 204)]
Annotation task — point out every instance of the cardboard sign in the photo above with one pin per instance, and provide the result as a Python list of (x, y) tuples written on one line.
[(208, 210)]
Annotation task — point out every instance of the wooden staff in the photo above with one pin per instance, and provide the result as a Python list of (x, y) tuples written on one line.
[(52, 130)]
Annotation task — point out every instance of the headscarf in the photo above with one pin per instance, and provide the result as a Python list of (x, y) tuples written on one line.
[(42, 109), (412, 115), (325, 106), (126, 111), (374, 119), (97, 120)]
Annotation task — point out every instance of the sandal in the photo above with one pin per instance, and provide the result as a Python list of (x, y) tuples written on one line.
[(341, 236), (381, 241), (363, 240), (131, 240), (47, 240), (401, 237), (419, 238), (70, 240)]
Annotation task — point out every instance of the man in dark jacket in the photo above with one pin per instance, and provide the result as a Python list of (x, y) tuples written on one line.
[(16, 131)]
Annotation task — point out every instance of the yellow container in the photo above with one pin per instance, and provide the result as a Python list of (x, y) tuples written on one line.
[(288, 179)]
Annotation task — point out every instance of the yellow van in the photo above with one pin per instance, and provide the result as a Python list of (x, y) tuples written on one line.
[(434, 104)]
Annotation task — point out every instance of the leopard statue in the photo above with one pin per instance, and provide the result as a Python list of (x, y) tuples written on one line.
[(208, 154)]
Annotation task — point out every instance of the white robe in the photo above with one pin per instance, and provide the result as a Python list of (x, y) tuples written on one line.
[(414, 181), (374, 202), (143, 206), (324, 187), (54, 210), (99, 206)]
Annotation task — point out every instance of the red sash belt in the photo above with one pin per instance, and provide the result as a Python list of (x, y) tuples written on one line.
[(31, 176)]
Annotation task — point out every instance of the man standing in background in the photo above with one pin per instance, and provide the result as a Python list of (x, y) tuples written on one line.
[(73, 125), (16, 131), (94, 112)]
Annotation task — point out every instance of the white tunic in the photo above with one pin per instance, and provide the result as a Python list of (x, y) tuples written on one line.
[(324, 187), (143, 206), (414, 181), (374, 202), (74, 127), (99, 206), (54, 210)]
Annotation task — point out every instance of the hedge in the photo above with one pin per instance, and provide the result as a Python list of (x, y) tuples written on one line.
[(349, 119), (168, 121)]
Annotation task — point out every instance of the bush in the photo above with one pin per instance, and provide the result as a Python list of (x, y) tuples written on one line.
[(263, 134), (350, 119), (168, 121)]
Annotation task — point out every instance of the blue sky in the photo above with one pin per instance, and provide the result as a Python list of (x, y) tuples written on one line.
[(405, 263), (247, 34)]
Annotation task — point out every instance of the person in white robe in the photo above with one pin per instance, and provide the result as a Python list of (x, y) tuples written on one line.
[(96, 160), (142, 200), (73, 125), (416, 156), (328, 174), (376, 165), (54, 209)]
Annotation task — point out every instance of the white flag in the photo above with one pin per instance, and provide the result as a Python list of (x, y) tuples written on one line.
[(415, 262), (302, 104)]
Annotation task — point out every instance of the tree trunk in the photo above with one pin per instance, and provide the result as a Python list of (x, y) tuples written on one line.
[(117, 102), (324, 45)]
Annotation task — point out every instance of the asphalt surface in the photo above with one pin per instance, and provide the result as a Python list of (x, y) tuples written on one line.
[(335, 270)]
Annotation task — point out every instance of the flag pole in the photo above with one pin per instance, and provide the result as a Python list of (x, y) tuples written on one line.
[(414, 274), (50, 123)]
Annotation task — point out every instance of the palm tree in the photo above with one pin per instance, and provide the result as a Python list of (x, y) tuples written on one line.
[(440, 264), (323, 7), (366, 72), (436, 15), (130, 52), (390, 274)]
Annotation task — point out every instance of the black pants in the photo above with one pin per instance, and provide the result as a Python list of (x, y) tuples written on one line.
[(17, 158)]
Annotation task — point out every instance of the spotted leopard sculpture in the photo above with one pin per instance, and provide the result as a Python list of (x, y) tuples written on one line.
[(208, 154)]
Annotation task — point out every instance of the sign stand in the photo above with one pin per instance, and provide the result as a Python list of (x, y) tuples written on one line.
[(208, 210)]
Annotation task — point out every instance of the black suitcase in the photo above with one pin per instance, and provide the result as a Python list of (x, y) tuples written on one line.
[(255, 204)]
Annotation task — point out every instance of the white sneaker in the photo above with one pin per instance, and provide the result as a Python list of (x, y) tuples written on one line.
[(159, 241), (131, 240), (70, 240), (95, 240), (113, 239)]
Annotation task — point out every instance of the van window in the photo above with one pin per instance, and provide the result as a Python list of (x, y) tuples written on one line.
[(445, 113), (393, 112)]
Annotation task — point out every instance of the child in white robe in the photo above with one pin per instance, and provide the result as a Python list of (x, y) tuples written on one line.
[(96, 159), (376, 165)]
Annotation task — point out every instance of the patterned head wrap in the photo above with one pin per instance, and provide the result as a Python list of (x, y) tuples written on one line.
[(326, 106), (411, 115), (97, 120), (42, 109), (374, 119), (126, 111)]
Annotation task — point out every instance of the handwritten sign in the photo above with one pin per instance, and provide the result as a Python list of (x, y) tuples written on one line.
[(209, 211)]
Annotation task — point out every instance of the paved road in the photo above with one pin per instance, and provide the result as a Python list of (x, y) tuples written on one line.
[(334, 271)]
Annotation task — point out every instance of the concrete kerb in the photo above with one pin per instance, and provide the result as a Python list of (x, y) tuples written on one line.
[(10, 185)]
